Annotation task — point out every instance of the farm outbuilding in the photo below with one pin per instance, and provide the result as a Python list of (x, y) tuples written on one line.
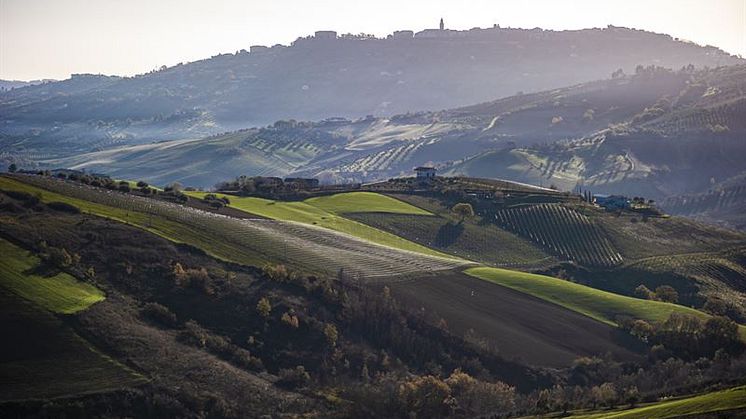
[(425, 172), (612, 202)]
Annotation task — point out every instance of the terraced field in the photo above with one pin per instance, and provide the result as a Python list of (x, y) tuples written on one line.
[(309, 248), (60, 293), (561, 230)]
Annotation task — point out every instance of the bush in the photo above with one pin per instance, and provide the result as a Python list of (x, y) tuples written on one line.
[(64, 207), (160, 314), (294, 378), (263, 307), (667, 293), (29, 199)]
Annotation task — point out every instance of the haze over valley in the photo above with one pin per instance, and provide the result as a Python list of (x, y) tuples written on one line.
[(434, 223)]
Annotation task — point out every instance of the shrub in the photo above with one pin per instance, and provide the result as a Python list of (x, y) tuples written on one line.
[(463, 210), (263, 307), (29, 199), (667, 293), (426, 396), (277, 272), (290, 320), (331, 334), (294, 378), (64, 207), (160, 314), (644, 292)]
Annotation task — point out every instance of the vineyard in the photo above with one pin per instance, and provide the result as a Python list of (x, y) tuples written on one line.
[(717, 274), (487, 244), (562, 231), (305, 247), (384, 160), (729, 197), (728, 116)]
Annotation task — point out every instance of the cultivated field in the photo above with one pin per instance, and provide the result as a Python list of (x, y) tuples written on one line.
[(309, 248), (600, 305), (562, 231), (324, 212), (59, 293), (480, 242), (517, 324), (356, 202)]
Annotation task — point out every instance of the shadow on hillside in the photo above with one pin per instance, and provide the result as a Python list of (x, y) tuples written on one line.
[(448, 234)]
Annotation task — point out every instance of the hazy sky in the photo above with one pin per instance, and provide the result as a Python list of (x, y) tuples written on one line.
[(54, 38)]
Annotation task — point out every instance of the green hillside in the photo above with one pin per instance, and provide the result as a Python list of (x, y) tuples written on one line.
[(717, 402), (600, 305), (301, 246), (323, 213), (60, 293), (355, 202)]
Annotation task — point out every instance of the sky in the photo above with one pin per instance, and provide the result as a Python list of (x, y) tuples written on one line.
[(55, 38)]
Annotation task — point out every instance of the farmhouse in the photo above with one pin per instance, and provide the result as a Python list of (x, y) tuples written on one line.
[(325, 35), (425, 172), (302, 183), (611, 202)]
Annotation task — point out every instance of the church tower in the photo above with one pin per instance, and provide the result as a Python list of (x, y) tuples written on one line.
[(442, 26)]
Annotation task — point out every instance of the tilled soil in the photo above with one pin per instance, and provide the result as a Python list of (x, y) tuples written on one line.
[(518, 325)]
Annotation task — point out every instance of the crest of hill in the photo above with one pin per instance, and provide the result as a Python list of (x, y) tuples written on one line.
[(346, 76)]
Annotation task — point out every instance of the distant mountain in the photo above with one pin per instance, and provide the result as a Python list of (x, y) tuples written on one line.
[(656, 133), (324, 76), (688, 139), (15, 84)]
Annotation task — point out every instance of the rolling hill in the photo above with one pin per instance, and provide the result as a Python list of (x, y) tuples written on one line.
[(318, 77), (654, 133), (683, 143), (183, 284)]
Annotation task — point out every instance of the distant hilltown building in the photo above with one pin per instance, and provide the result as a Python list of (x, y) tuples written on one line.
[(442, 25), (425, 172), (403, 34), (257, 48), (611, 202), (325, 35), (302, 183)]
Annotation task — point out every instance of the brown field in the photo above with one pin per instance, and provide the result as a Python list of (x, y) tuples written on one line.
[(518, 325)]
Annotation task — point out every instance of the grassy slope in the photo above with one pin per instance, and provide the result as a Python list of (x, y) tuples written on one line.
[(42, 357), (353, 202), (323, 213), (485, 243), (600, 305), (167, 229), (60, 293), (718, 401)]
